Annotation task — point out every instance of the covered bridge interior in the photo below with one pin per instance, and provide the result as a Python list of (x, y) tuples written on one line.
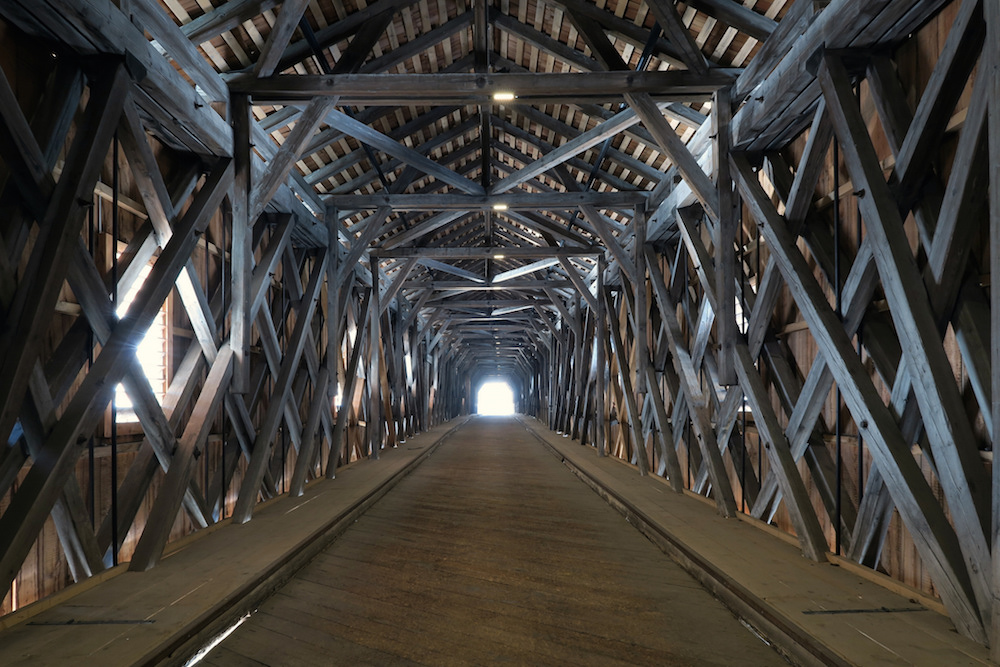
[(745, 249)]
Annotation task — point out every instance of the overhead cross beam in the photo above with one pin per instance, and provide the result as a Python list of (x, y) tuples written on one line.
[(517, 201), (486, 253), (436, 89)]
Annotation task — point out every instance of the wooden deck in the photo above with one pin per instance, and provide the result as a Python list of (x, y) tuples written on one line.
[(495, 550), (831, 613), (162, 615), (492, 552)]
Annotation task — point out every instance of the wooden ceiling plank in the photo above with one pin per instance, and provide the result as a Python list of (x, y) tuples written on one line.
[(452, 269), (279, 166), (522, 235), (616, 155), (545, 225), (460, 285), (553, 47), (577, 163), (341, 164), (422, 229), (365, 41), (327, 37)]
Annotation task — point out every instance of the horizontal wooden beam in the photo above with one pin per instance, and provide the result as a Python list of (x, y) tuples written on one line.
[(487, 303), (508, 201), (460, 286), (486, 253), (416, 89)]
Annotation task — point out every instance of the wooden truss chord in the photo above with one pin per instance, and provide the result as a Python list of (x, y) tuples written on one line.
[(403, 89), (485, 252), (500, 202)]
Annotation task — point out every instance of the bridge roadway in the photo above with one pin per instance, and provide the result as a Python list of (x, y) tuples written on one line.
[(480, 542), (493, 552)]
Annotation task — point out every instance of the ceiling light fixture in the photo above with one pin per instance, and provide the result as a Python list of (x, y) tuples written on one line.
[(499, 256), (503, 96), (500, 207)]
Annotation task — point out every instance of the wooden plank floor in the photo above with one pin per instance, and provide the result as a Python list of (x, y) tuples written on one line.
[(139, 618), (492, 552), (836, 610)]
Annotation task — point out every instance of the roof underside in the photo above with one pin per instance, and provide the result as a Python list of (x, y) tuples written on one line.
[(436, 130)]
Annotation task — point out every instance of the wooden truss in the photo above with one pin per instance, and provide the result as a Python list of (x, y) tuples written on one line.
[(766, 279)]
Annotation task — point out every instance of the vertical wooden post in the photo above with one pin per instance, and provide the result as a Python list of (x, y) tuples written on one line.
[(332, 300), (576, 392), (600, 440), (375, 343), (242, 250), (399, 376), (430, 381), (640, 316), (990, 66), (555, 379), (725, 251)]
